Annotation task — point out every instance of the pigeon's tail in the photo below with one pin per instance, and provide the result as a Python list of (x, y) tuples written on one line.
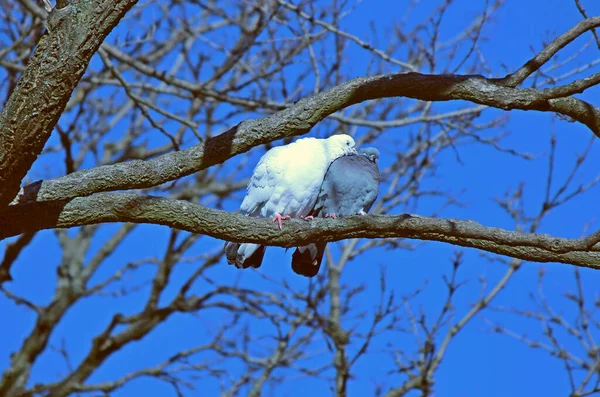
[(244, 255), (306, 260)]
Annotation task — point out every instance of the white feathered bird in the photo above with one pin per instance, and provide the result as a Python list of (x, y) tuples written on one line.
[(286, 183)]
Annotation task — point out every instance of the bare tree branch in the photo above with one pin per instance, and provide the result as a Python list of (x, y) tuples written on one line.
[(183, 215), (301, 117)]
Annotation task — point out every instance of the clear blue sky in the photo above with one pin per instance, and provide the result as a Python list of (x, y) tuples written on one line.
[(477, 362)]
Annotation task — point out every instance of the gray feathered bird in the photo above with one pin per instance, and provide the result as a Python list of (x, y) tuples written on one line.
[(350, 188)]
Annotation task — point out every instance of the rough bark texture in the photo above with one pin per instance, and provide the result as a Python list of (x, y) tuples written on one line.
[(183, 215), (74, 34)]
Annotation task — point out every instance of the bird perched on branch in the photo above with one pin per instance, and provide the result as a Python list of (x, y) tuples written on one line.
[(285, 184), (350, 187)]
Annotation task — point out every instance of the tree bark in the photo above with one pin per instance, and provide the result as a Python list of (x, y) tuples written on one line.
[(184, 215), (73, 35)]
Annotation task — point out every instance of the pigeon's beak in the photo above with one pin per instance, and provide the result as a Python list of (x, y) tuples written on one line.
[(353, 151)]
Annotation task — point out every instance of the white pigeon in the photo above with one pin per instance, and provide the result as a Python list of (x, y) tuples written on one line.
[(286, 183)]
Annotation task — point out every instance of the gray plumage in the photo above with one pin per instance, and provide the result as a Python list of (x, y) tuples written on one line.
[(350, 187)]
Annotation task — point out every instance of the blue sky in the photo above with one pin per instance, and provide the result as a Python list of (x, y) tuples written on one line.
[(478, 362)]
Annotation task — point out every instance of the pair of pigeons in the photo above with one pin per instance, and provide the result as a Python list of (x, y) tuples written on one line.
[(307, 178)]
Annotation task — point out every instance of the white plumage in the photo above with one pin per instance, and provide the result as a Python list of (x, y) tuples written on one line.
[(286, 183)]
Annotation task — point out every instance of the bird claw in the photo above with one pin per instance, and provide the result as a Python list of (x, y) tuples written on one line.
[(332, 216), (278, 218), (307, 218)]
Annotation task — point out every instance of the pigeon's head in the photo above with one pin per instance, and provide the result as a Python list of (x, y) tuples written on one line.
[(340, 145), (371, 153)]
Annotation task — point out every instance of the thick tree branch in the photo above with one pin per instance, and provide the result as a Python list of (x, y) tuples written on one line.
[(306, 113), (74, 34), (129, 207)]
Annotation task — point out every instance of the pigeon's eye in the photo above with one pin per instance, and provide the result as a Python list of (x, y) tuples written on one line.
[(347, 143)]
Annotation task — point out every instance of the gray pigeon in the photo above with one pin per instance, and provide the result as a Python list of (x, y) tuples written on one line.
[(350, 188)]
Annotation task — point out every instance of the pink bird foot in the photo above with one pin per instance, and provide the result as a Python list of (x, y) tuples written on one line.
[(332, 216), (307, 218), (278, 218)]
